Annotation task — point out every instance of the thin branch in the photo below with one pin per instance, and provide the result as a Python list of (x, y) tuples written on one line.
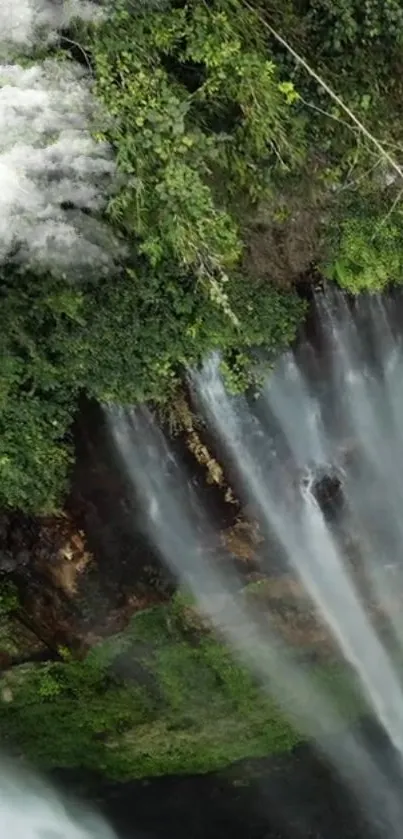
[(379, 160), (326, 113), (321, 82), (398, 198), (79, 47), (353, 183)]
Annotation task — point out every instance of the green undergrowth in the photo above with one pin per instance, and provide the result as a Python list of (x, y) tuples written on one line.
[(160, 698), (8, 606)]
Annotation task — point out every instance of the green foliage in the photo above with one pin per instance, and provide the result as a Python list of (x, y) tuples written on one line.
[(9, 600), (199, 116), (351, 24), (125, 339), (178, 138), (355, 47), (368, 254), (37, 391), (143, 331), (9, 604), (34, 457), (183, 715), (185, 706), (201, 124)]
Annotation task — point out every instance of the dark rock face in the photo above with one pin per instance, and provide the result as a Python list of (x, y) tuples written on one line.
[(327, 488), (102, 504), (46, 559), (81, 574), (292, 796), (69, 597), (17, 533)]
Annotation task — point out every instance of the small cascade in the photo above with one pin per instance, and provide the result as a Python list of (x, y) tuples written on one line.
[(318, 458)]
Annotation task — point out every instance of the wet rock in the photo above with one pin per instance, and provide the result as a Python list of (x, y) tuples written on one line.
[(67, 597), (102, 504), (242, 541), (284, 603), (287, 796), (328, 491)]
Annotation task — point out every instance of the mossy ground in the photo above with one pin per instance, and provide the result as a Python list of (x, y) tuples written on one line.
[(163, 697)]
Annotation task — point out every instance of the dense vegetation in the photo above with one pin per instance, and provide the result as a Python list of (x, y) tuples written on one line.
[(238, 175)]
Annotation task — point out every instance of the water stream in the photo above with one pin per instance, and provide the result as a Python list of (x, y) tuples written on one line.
[(329, 415)]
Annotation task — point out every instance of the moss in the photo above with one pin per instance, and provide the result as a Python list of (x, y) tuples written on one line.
[(8, 647), (9, 601), (9, 604), (146, 702)]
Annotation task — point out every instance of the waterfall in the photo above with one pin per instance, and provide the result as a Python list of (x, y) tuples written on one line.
[(51, 173), (29, 809), (334, 415)]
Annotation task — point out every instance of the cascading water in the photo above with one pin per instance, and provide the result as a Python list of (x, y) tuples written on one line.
[(29, 809), (49, 163), (338, 415)]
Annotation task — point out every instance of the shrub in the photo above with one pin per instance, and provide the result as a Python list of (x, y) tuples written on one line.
[(368, 256)]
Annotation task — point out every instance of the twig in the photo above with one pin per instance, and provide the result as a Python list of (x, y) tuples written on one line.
[(365, 174), (398, 198), (79, 47), (326, 113)]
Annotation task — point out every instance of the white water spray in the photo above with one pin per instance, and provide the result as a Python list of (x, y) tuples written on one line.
[(31, 809), (51, 170), (300, 527), (25, 22), (300, 431)]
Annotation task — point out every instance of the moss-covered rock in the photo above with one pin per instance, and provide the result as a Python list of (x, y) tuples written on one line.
[(153, 700)]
